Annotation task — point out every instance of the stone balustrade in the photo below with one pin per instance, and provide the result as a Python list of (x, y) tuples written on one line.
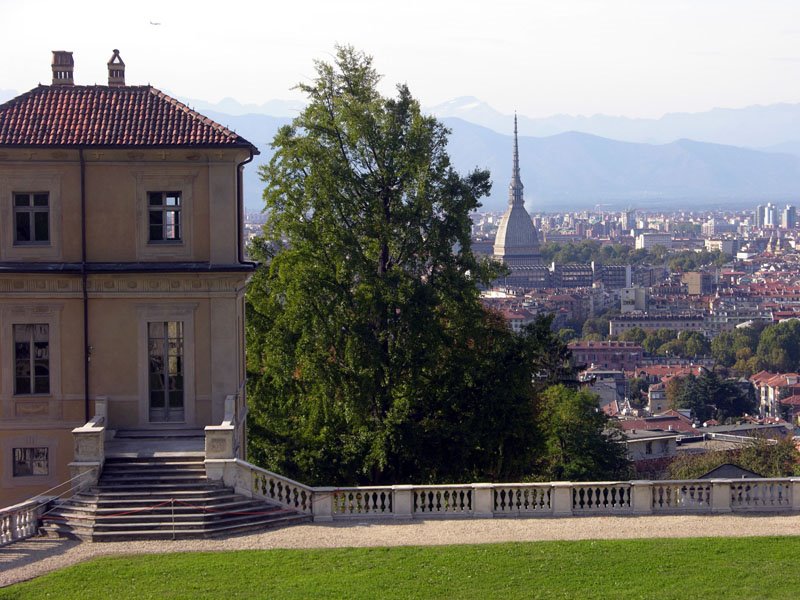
[(21, 520), (488, 500)]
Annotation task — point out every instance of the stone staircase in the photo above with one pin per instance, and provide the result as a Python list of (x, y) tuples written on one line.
[(161, 497)]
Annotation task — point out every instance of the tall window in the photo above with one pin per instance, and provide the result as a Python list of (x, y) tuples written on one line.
[(165, 347), (31, 218), (30, 461), (32, 359), (164, 216)]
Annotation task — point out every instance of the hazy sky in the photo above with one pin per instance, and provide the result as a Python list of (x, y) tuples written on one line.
[(621, 57)]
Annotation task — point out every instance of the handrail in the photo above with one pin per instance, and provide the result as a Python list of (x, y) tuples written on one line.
[(22, 521), (253, 467)]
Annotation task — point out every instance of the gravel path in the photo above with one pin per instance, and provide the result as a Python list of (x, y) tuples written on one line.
[(31, 558)]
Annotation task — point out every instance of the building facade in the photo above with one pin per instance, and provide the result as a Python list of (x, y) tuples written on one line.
[(121, 268)]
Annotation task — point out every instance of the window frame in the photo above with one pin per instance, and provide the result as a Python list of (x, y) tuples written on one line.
[(32, 359), (163, 312), (31, 407), (171, 374), (164, 209), (24, 181), (31, 210), (164, 180), (32, 460)]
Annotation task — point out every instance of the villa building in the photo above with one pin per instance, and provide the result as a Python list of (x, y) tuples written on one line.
[(121, 268)]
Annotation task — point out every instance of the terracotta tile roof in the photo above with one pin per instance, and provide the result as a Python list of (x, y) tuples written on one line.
[(98, 115)]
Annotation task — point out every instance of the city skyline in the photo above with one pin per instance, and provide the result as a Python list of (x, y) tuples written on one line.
[(577, 57)]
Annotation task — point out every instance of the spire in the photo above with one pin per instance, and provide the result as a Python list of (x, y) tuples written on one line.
[(515, 187)]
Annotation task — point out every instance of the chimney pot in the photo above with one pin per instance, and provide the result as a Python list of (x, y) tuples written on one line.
[(116, 70), (63, 67)]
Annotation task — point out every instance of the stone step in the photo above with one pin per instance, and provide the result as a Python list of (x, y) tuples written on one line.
[(144, 434), (117, 494), (209, 532), (167, 507), (116, 469), (161, 498), (151, 485), (155, 477), (103, 503), (189, 521), (189, 459)]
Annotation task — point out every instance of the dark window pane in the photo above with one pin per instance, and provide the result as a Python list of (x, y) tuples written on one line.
[(156, 233), (22, 385), (22, 200), (42, 385), (22, 351), (156, 399), (42, 226), (155, 198), (176, 399), (40, 200), (23, 223)]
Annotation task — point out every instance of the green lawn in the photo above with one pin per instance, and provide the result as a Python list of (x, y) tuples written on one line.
[(708, 568)]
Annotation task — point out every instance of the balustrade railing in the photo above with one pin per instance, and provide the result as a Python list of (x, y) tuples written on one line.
[(486, 500), (601, 498), (681, 496), (21, 520), (276, 488), (371, 501), (522, 499), (761, 495), (443, 500)]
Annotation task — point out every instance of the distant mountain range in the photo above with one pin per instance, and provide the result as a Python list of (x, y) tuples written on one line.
[(733, 158), (752, 127), (575, 170)]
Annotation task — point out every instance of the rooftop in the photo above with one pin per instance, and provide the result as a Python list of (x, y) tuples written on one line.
[(97, 115)]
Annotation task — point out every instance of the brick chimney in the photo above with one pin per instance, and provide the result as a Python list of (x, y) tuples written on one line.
[(63, 66), (116, 70)]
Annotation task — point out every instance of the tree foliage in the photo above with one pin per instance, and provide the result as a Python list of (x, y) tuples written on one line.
[(708, 396), (762, 456), (689, 260), (580, 443), (370, 357)]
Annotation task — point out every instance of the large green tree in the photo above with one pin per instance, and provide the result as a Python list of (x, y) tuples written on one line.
[(580, 442), (370, 356)]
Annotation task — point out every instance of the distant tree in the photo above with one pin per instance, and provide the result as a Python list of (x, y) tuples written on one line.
[(580, 443), (779, 347), (764, 457), (638, 387), (722, 349), (567, 334), (635, 334), (695, 344), (706, 396), (654, 340), (597, 326)]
